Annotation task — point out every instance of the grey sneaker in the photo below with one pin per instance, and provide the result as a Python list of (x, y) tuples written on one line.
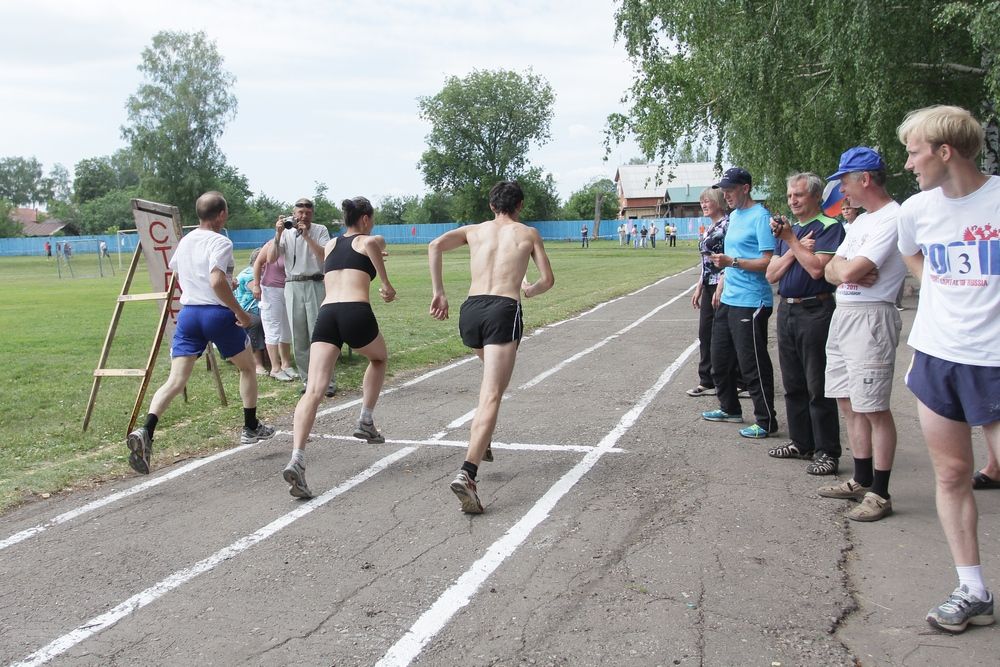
[(140, 447), (291, 372), (369, 432), (252, 435), (295, 475), (959, 610), (849, 490), (871, 508), (488, 454), (701, 390), (465, 488), (331, 390)]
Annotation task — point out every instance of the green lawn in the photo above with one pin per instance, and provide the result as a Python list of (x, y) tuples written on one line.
[(53, 329)]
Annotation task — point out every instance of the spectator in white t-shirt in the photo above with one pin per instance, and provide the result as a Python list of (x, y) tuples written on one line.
[(864, 333), (948, 234), (210, 313)]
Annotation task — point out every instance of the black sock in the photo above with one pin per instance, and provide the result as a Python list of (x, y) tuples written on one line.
[(470, 468), (863, 471), (250, 418), (150, 425), (880, 485)]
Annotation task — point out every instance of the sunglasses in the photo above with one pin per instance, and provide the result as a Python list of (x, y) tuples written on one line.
[(305, 205)]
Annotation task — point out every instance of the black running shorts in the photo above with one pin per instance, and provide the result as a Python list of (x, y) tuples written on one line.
[(487, 319), (351, 322)]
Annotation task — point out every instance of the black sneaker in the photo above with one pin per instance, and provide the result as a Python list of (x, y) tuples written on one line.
[(251, 435), (140, 447), (488, 454), (823, 464)]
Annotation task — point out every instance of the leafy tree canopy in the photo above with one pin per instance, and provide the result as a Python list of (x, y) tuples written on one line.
[(580, 205), (21, 181), (177, 115), (785, 85), (482, 127)]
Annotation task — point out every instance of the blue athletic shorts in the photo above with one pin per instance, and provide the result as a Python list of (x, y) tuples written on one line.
[(197, 326), (960, 392)]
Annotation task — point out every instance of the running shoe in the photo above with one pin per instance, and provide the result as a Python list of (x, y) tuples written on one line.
[(252, 435), (295, 475), (701, 390), (465, 488), (140, 447), (488, 454), (961, 609), (282, 376), (720, 416), (368, 432), (331, 390), (754, 431)]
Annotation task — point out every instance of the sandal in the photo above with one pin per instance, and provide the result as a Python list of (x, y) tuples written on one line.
[(823, 464), (789, 450), (981, 480)]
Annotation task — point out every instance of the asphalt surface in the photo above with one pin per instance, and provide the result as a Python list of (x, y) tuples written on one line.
[(620, 529)]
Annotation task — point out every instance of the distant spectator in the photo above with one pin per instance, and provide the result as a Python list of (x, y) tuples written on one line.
[(652, 234), (103, 247), (673, 235), (584, 237), (629, 231), (621, 234), (67, 250), (48, 249), (642, 236)]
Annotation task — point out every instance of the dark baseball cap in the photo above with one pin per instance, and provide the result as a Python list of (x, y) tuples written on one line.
[(733, 177), (859, 158), (304, 203)]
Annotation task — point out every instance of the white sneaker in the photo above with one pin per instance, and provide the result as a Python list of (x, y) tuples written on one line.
[(291, 372), (282, 376)]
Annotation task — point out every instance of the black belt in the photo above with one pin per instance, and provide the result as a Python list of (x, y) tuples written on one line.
[(806, 299), (317, 277)]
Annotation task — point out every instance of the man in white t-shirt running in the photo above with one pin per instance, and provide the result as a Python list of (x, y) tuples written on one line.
[(864, 333), (949, 234), (203, 262)]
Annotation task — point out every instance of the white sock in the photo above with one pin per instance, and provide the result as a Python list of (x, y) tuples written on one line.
[(972, 576), (367, 415), (299, 456)]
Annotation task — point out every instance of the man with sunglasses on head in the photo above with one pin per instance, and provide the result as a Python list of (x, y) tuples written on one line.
[(302, 244)]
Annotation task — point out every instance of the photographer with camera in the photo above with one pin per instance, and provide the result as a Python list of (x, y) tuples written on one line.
[(301, 243), (802, 251)]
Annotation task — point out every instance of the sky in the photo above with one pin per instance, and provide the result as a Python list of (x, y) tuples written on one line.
[(327, 91)]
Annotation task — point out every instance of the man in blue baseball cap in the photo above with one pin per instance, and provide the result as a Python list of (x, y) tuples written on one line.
[(864, 332), (744, 301)]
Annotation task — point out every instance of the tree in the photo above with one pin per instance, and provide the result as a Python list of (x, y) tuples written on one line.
[(9, 228), (431, 208), (541, 200), (107, 213), (482, 127), (580, 205), (393, 210), (177, 116), (325, 211), (784, 86), (21, 181)]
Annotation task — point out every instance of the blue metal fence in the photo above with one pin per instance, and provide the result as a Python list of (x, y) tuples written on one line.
[(551, 230)]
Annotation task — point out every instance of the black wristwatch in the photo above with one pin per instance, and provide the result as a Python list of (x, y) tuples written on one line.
[(736, 262)]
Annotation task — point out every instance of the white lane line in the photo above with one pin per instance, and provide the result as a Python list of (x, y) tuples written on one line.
[(193, 465), (409, 383), (460, 593), (576, 357), (114, 497), (522, 446), (158, 590), (598, 345)]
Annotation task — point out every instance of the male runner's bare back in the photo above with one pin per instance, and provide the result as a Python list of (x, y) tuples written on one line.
[(491, 319)]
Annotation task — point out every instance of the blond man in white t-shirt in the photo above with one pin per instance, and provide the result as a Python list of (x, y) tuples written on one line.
[(864, 333), (949, 234)]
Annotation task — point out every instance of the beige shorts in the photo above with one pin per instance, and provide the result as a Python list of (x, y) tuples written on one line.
[(861, 354)]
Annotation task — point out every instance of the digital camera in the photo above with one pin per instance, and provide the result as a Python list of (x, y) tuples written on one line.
[(289, 222)]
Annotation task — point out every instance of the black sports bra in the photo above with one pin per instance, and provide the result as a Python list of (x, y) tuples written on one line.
[(344, 256)]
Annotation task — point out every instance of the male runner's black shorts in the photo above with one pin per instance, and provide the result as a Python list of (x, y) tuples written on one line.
[(351, 322), (487, 319)]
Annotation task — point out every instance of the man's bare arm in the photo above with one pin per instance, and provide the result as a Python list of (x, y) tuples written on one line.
[(858, 270), (435, 249), (915, 263), (546, 280)]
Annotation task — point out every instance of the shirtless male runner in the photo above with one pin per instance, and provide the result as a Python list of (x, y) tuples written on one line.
[(490, 320)]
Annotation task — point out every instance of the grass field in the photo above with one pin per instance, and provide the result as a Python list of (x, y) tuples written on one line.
[(53, 329)]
